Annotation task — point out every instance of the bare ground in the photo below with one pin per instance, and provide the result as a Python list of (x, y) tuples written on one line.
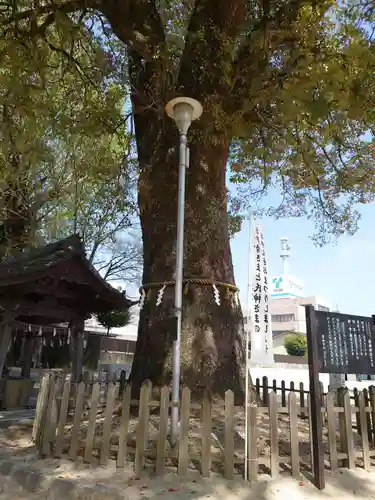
[(344, 484)]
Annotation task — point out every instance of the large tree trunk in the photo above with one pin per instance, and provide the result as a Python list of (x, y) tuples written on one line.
[(213, 342)]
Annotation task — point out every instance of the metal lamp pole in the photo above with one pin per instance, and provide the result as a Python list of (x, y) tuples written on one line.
[(183, 110)]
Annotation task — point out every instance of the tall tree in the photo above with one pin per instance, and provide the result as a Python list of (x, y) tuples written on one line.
[(63, 132), (288, 94)]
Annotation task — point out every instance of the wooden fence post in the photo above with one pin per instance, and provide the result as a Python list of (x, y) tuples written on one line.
[(229, 435), (124, 425), (107, 425), (86, 381), (252, 449), (342, 427), (50, 424), (62, 418), (206, 434), (357, 415), (95, 396), (77, 421), (265, 391), (257, 386), (365, 443), (331, 424), (293, 430), (349, 430), (183, 445), (40, 412), (142, 428), (163, 430), (274, 386), (291, 387), (283, 394), (366, 400), (122, 383), (274, 451), (372, 404), (302, 401)]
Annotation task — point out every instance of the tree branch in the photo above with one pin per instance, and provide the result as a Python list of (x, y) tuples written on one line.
[(211, 39), (137, 23), (49, 9), (272, 31)]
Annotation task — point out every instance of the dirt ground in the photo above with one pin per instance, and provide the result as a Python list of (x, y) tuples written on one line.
[(345, 484)]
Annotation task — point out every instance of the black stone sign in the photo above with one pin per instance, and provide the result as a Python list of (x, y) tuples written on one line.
[(346, 344)]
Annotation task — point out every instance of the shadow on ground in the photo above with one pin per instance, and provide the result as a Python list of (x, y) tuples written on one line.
[(15, 443)]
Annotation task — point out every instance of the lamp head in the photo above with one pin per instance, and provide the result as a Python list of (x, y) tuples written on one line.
[(183, 110)]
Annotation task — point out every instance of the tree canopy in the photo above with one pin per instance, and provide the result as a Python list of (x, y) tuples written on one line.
[(114, 319), (291, 83), (65, 150)]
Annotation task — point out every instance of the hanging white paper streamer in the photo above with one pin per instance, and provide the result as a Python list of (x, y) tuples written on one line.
[(160, 295), (142, 299), (216, 294)]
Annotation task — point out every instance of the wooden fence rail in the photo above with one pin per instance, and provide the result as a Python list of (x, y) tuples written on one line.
[(95, 422)]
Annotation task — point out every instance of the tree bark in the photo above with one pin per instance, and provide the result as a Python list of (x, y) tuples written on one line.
[(213, 341)]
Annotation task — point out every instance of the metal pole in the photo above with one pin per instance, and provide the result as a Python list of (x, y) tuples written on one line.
[(178, 288)]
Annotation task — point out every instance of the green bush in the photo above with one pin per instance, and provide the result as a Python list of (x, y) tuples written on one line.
[(296, 344), (114, 319)]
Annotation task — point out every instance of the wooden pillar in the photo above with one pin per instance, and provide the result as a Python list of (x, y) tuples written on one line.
[(5, 339), (76, 349), (315, 398), (37, 356), (29, 346)]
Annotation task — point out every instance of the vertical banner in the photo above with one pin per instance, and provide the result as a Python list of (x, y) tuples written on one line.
[(261, 333)]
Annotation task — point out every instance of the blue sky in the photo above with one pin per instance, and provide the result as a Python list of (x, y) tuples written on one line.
[(343, 274)]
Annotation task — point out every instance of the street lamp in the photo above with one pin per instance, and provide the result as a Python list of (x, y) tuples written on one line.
[(183, 110)]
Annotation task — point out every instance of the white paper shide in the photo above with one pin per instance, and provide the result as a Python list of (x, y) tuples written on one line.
[(261, 332)]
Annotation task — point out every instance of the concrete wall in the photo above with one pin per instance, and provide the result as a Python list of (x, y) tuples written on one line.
[(299, 373), (115, 358)]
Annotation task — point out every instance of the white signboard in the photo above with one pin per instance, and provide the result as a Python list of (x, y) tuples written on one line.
[(261, 332), (285, 286)]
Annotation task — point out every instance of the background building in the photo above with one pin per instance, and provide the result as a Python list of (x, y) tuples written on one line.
[(287, 302)]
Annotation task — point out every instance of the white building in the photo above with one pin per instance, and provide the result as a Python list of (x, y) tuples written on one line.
[(288, 315)]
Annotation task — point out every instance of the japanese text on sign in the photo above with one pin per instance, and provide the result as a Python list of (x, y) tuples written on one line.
[(261, 338), (345, 343)]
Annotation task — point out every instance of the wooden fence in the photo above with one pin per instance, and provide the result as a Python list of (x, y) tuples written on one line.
[(263, 388), (94, 422)]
